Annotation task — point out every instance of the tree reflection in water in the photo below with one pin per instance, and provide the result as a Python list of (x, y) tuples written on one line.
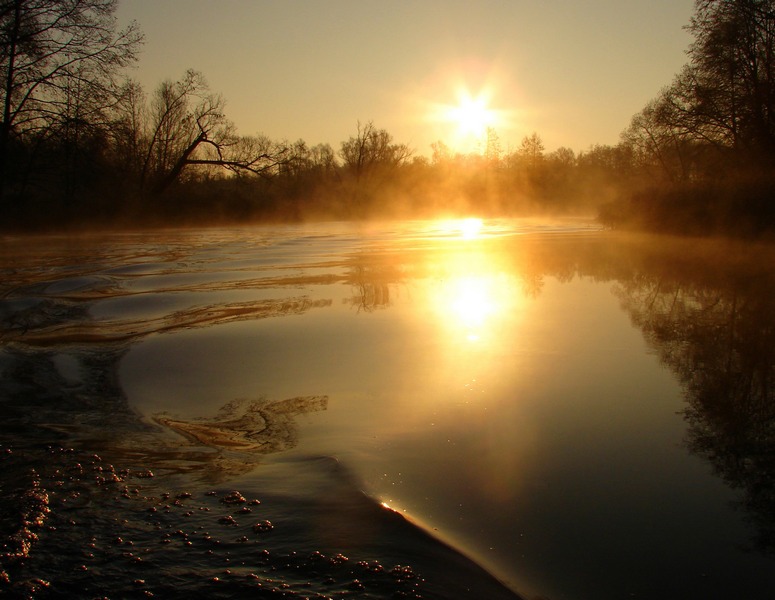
[(712, 321), (370, 287)]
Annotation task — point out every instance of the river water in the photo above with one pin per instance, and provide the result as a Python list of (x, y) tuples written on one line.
[(420, 409)]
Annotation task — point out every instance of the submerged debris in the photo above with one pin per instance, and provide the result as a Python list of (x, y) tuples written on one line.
[(255, 426)]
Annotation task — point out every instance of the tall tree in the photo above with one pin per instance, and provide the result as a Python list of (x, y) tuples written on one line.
[(725, 96), (59, 60), (655, 142)]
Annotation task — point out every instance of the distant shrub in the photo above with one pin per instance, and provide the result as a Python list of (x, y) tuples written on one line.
[(741, 206)]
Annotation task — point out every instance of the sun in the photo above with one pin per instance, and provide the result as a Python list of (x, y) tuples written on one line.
[(468, 121), (472, 115)]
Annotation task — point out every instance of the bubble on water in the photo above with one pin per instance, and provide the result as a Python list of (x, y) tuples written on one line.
[(233, 498), (262, 526)]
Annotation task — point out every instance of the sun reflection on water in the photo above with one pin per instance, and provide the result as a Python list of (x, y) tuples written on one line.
[(472, 300), (473, 295), (470, 228), (467, 229), (475, 304)]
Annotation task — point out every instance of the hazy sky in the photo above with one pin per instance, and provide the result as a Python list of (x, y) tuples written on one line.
[(574, 72)]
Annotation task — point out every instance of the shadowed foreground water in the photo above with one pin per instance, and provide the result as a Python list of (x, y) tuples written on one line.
[(386, 411)]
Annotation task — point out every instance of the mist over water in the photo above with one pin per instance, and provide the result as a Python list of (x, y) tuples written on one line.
[(579, 413)]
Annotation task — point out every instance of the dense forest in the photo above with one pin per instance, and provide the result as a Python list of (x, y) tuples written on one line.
[(81, 144)]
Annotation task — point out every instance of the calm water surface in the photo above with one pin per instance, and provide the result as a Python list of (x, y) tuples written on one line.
[(424, 409)]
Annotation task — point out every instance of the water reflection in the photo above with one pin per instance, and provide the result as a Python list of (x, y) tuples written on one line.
[(486, 382), (467, 229), (715, 328), (371, 281), (71, 309), (469, 287), (706, 309), (472, 304)]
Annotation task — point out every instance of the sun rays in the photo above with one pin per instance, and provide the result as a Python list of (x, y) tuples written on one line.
[(472, 115), (467, 121)]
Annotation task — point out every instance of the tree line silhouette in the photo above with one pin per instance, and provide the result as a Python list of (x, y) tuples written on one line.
[(82, 144), (709, 136)]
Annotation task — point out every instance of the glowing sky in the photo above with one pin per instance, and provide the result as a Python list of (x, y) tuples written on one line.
[(574, 72)]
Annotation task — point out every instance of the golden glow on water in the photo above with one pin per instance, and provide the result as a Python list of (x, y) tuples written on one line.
[(472, 301), (470, 292), (471, 305), (468, 229)]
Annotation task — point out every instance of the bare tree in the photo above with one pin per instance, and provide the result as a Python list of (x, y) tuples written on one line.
[(659, 144), (493, 150), (187, 126), (442, 155), (531, 151), (371, 149), (323, 158), (127, 129), (58, 62), (370, 162)]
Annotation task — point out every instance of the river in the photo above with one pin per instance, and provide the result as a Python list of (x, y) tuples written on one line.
[(514, 408)]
